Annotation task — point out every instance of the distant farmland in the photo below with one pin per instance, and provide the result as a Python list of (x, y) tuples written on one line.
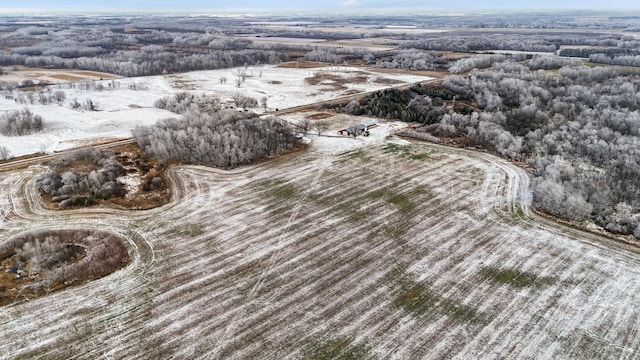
[(394, 251)]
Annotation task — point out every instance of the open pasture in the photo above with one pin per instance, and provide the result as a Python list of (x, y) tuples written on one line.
[(121, 104), (393, 250)]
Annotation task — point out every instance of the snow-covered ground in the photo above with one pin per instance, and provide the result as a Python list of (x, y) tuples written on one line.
[(122, 109), (330, 142)]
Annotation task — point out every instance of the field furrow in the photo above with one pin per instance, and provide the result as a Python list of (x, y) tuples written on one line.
[(407, 250)]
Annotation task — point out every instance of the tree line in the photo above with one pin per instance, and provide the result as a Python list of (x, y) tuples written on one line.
[(223, 138), (608, 51), (136, 63), (20, 123)]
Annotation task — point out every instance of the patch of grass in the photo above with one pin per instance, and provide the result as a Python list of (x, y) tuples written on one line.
[(407, 151), (337, 349), (279, 189), (418, 300), (316, 197), (284, 191), (516, 278), (356, 154), (402, 202), (378, 194), (395, 148), (352, 212), (415, 298)]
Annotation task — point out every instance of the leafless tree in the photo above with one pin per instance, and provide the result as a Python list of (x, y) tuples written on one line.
[(321, 126), (59, 96), (19, 123), (75, 104), (4, 153), (90, 105), (305, 125), (263, 102), (243, 101)]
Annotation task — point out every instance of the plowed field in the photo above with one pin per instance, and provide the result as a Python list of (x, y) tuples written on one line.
[(395, 251)]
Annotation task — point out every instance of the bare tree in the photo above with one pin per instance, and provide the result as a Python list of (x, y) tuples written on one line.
[(305, 125), (4, 153), (238, 81), (19, 123), (90, 105), (321, 126), (59, 96), (263, 102), (75, 104), (243, 101)]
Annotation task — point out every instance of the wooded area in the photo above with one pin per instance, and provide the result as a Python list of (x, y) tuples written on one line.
[(224, 139), (579, 130)]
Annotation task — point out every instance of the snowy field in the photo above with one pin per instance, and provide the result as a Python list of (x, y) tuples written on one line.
[(379, 246), (122, 109)]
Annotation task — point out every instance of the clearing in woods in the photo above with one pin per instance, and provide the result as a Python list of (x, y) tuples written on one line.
[(396, 250)]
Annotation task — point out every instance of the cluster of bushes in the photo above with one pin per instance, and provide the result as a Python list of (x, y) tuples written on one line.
[(475, 62), (417, 104), (610, 51), (58, 258), (21, 122), (42, 97), (622, 60), (224, 139), (88, 105), (183, 102), (83, 188), (413, 59), (327, 55), (244, 101)]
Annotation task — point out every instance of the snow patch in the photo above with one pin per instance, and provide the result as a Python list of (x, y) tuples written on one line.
[(122, 109)]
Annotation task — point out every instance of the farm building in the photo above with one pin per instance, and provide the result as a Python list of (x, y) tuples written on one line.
[(229, 104), (360, 129)]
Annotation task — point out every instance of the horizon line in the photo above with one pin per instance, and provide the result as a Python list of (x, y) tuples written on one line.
[(320, 10)]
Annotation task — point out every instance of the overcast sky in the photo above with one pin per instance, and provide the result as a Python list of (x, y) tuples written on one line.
[(326, 4)]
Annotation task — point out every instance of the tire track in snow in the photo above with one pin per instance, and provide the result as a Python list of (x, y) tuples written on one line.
[(275, 254)]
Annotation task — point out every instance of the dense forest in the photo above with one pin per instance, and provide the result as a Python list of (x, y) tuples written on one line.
[(577, 127)]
